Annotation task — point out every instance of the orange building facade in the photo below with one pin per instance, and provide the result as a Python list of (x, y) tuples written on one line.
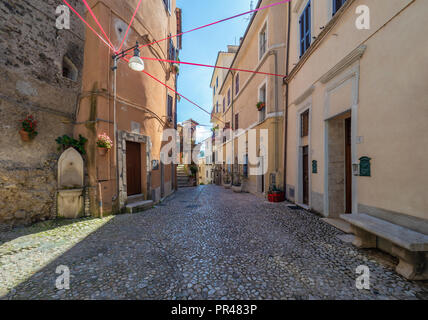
[(130, 107)]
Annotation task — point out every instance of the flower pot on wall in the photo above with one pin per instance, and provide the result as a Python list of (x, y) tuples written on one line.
[(102, 151), (25, 136)]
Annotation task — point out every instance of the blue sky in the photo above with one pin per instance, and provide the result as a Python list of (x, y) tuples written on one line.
[(202, 46)]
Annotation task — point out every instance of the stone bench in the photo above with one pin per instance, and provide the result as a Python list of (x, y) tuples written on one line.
[(409, 246)]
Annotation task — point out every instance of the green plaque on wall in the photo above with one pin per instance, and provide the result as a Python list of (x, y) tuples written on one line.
[(315, 166), (365, 170)]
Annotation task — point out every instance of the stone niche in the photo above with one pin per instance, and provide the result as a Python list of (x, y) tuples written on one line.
[(70, 185)]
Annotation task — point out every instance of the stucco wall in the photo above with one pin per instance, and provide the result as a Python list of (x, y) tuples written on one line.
[(141, 100), (385, 86)]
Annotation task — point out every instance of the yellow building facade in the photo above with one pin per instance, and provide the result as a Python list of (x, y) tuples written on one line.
[(261, 49)]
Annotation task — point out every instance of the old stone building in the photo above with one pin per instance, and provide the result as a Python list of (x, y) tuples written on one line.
[(40, 75)]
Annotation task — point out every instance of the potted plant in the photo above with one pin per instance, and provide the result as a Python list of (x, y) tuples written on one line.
[(104, 144), (227, 181), (261, 105), (193, 172), (275, 195), (28, 131)]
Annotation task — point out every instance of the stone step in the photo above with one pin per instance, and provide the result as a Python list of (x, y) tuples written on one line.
[(139, 206), (135, 198)]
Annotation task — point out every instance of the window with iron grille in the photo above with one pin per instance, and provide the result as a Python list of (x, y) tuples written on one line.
[(305, 29), (337, 4)]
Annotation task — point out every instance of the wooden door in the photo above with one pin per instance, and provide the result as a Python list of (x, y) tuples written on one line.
[(133, 168), (348, 166), (305, 178)]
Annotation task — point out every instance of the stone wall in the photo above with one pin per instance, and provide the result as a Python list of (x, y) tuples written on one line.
[(32, 52)]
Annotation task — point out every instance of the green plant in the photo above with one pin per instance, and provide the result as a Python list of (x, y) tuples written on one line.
[(66, 142), (261, 105), (193, 170), (30, 125), (104, 141)]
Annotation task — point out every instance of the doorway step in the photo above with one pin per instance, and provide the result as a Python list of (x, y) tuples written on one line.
[(339, 224), (135, 198), (137, 204)]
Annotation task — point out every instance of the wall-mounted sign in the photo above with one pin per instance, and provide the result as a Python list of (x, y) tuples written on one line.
[(314, 166), (365, 170), (155, 165)]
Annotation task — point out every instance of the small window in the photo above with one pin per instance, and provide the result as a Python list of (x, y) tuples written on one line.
[(337, 4), (305, 124), (262, 98), (236, 121), (217, 107), (262, 42), (228, 97), (171, 50), (245, 166), (170, 107), (214, 91), (305, 29), (237, 84), (69, 70), (224, 105), (167, 4), (216, 82)]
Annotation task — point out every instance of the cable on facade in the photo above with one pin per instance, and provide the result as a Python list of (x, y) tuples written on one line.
[(213, 23), (99, 25), (129, 26)]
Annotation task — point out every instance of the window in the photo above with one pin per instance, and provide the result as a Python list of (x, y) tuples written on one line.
[(262, 98), (262, 42), (245, 166), (337, 4), (228, 97), (305, 29), (171, 50), (216, 107), (69, 70), (167, 4), (305, 124), (170, 107), (216, 82), (224, 105), (236, 121), (214, 91), (237, 84)]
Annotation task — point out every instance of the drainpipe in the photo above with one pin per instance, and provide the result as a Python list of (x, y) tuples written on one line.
[(116, 147), (275, 54), (233, 127), (286, 100)]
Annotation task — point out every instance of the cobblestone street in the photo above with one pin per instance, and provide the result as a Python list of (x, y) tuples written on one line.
[(201, 243)]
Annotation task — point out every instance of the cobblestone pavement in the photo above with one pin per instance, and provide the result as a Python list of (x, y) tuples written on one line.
[(201, 243)]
